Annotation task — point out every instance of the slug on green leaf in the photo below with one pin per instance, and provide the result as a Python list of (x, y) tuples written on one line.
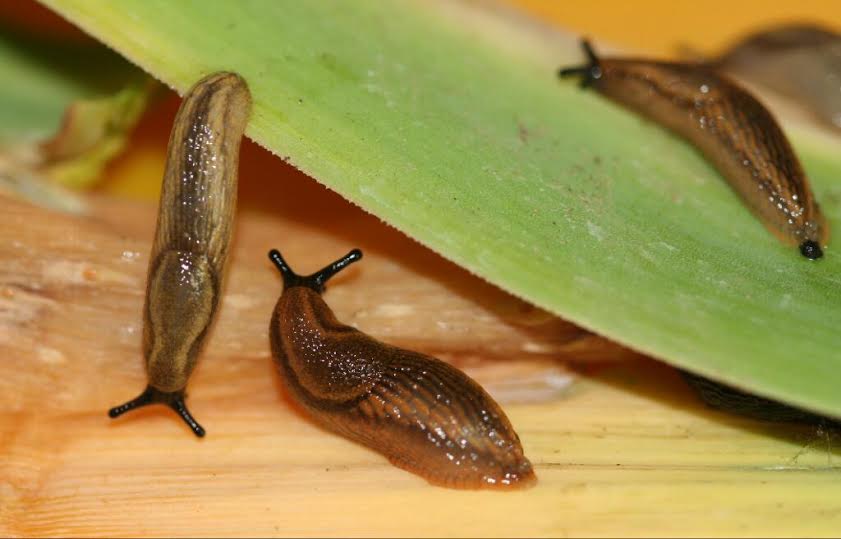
[(424, 415), (729, 126), (195, 224)]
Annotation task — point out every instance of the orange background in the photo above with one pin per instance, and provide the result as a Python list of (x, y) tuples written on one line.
[(659, 26)]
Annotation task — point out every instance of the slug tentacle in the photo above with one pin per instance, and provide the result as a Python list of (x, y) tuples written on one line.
[(730, 127), (590, 72), (317, 280), (423, 414), (150, 395), (195, 225)]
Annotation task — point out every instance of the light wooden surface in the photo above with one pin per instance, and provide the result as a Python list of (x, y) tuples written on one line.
[(619, 447)]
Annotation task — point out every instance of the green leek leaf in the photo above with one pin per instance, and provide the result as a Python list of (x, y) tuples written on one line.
[(448, 122)]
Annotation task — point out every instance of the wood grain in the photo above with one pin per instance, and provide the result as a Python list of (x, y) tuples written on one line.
[(619, 447)]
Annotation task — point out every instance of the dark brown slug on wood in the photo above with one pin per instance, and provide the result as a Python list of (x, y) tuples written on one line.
[(729, 126), (423, 414), (195, 225)]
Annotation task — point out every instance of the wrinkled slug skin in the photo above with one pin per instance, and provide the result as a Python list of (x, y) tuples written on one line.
[(732, 129), (195, 224), (426, 416)]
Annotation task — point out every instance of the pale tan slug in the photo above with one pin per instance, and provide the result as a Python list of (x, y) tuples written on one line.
[(424, 415), (800, 61), (195, 224), (730, 127)]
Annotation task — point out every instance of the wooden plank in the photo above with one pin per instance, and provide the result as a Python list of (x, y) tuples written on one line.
[(620, 448)]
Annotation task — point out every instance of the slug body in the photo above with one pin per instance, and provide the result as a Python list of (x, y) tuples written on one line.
[(802, 62), (424, 415), (195, 224), (729, 399), (730, 127)]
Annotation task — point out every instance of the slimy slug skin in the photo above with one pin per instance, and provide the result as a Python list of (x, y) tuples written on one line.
[(195, 225), (731, 129), (423, 414)]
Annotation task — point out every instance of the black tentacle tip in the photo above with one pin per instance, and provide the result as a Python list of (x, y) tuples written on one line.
[(317, 280), (150, 395), (589, 73), (811, 250)]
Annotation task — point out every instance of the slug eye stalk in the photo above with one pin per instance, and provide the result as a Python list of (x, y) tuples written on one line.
[(317, 280), (589, 73), (150, 395)]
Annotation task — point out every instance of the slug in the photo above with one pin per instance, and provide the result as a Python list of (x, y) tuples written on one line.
[(729, 126), (799, 61), (195, 224), (729, 399), (424, 415)]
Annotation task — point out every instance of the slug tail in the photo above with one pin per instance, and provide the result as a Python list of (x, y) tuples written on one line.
[(431, 419), (150, 395), (590, 72)]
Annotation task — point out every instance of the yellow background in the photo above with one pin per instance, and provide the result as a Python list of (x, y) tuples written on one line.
[(659, 26)]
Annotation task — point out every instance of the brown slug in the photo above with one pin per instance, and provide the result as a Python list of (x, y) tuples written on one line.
[(799, 61), (195, 223), (424, 415), (729, 126)]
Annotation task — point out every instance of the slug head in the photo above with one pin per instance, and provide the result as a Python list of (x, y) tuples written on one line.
[(590, 72), (317, 280), (150, 395)]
